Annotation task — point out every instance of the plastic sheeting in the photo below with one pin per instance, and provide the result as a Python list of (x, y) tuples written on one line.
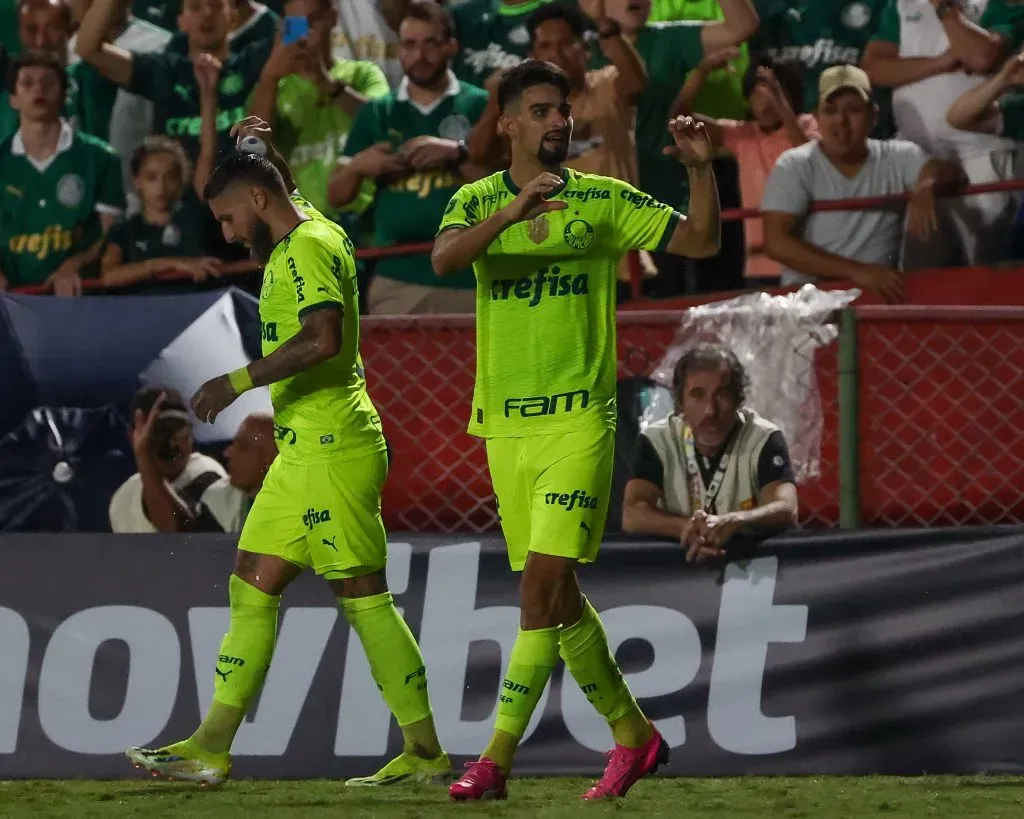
[(775, 338), (59, 469)]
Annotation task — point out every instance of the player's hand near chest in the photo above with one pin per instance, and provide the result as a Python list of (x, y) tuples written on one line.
[(532, 202), (458, 247)]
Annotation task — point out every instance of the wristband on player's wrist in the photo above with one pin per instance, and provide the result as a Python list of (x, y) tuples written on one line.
[(240, 380)]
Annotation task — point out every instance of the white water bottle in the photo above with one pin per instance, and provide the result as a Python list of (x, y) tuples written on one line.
[(252, 145)]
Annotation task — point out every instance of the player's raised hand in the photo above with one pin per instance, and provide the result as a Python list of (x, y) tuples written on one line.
[(692, 145), (212, 398), (142, 427), (254, 127), (531, 202)]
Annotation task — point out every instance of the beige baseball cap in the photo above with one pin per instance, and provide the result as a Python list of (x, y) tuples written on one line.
[(840, 77)]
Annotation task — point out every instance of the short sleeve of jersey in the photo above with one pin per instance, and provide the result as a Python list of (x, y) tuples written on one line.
[(909, 158), (773, 464), (785, 191), (320, 268), (888, 30), (364, 76), (109, 186), (463, 210), (639, 221), (1011, 109), (120, 236), (152, 75), (365, 131), (647, 466)]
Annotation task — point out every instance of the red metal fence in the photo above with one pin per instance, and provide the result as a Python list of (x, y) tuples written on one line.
[(941, 414)]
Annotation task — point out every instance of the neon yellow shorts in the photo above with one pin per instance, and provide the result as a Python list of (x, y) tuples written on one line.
[(552, 492), (321, 515)]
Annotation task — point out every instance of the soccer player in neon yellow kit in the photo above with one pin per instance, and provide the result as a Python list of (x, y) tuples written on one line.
[(319, 505), (545, 243)]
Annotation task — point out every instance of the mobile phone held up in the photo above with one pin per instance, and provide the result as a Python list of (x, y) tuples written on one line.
[(295, 28)]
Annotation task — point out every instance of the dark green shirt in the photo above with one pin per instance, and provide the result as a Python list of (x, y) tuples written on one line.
[(182, 236), (670, 51), (818, 35), (169, 80), (491, 36), (409, 208)]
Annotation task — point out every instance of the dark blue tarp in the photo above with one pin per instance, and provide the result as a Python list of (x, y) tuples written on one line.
[(89, 352)]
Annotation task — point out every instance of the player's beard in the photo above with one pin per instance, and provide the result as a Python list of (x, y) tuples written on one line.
[(262, 243), (550, 157)]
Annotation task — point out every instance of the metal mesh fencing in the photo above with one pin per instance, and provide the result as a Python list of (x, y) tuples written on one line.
[(941, 414)]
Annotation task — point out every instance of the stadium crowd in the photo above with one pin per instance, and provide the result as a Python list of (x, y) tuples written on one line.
[(116, 112)]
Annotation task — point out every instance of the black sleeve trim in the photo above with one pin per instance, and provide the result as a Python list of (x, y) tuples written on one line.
[(773, 464), (321, 305), (670, 228), (647, 465)]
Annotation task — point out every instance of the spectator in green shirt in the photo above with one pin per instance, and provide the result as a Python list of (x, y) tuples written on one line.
[(165, 236), (311, 101), (61, 191), (168, 79), (412, 144), (251, 22)]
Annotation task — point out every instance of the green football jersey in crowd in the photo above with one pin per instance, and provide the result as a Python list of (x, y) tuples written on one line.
[(818, 35), (169, 80), (491, 36), (311, 131), (670, 51), (408, 209), (52, 212), (181, 237)]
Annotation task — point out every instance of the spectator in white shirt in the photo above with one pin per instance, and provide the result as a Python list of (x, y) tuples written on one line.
[(862, 245), (166, 494), (249, 457), (931, 52)]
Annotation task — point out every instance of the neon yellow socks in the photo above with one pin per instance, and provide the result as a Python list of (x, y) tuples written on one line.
[(397, 667), (534, 656), (584, 647), (242, 664)]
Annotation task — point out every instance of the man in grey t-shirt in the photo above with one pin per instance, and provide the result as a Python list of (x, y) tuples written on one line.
[(864, 245)]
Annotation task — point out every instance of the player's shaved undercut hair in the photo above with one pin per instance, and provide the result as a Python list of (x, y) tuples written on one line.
[(528, 74), (247, 169)]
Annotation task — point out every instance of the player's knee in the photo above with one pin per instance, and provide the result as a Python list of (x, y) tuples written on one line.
[(366, 585), (547, 591)]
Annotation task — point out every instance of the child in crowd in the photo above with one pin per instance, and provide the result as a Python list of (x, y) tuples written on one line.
[(774, 93), (166, 236)]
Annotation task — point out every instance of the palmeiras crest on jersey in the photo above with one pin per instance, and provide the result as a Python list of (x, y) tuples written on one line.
[(71, 190), (578, 234), (454, 127), (268, 283), (856, 15), (171, 236)]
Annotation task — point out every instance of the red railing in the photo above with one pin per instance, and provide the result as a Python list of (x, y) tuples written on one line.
[(234, 269)]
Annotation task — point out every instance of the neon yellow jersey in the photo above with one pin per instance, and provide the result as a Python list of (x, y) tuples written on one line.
[(324, 413), (545, 301)]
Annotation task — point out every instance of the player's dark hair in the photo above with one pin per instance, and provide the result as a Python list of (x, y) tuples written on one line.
[(788, 73), (569, 13), (529, 74), (427, 11), (711, 356), (153, 145), (35, 58), (251, 169)]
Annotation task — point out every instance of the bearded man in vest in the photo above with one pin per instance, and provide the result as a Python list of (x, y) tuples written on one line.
[(714, 468)]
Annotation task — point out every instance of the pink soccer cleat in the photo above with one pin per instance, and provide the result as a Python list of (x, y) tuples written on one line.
[(482, 780), (627, 766)]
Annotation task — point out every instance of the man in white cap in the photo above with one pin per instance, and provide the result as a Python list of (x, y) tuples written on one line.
[(864, 245)]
